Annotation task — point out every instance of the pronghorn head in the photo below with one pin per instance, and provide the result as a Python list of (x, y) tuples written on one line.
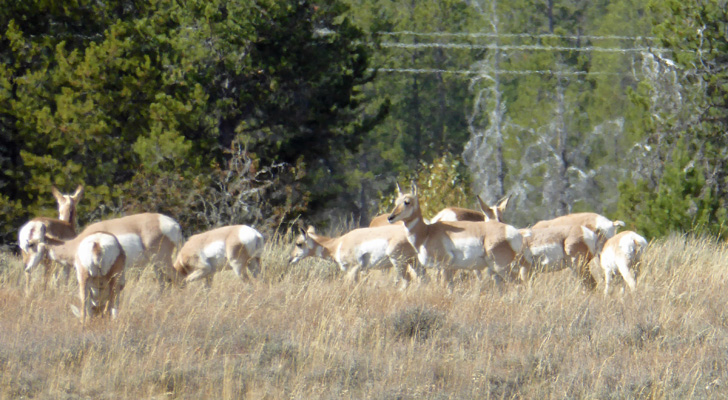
[(305, 245), (67, 203), (494, 213), (35, 249), (406, 207)]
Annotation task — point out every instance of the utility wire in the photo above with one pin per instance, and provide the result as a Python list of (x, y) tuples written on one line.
[(515, 35), (503, 72), (519, 47)]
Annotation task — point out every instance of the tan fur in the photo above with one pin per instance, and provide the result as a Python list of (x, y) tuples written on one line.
[(159, 242), (354, 251), (486, 213), (621, 253), (90, 277), (490, 245), (63, 228), (379, 220), (559, 247), (195, 262), (103, 289), (601, 225), (67, 204)]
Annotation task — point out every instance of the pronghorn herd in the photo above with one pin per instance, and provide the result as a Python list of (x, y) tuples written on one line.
[(455, 239)]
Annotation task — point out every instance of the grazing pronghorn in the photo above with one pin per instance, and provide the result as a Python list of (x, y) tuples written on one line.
[(206, 253), (99, 261), (602, 226), (359, 250), (487, 213), (559, 247), (487, 245), (621, 253), (147, 238), (63, 228)]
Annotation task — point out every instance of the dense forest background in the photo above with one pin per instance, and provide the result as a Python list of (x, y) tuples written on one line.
[(269, 112)]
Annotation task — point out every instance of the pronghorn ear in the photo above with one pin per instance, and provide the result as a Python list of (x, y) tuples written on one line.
[(310, 229), (486, 210), (503, 203), (413, 188), (483, 205), (56, 193), (399, 189), (78, 193)]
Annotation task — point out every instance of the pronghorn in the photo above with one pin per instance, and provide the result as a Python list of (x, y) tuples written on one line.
[(67, 204), (359, 250), (621, 253), (602, 226), (558, 247), (487, 213), (147, 238), (99, 260), (63, 228), (488, 245), (206, 253)]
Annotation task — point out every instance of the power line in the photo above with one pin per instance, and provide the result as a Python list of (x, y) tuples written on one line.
[(519, 47), (502, 72), (515, 35)]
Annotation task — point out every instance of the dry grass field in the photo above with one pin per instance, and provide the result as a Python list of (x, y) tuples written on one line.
[(301, 333)]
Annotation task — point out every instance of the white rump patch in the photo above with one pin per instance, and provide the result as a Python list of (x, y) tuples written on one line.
[(252, 239), (605, 226), (445, 215), (171, 229), (109, 253), (24, 235), (515, 239)]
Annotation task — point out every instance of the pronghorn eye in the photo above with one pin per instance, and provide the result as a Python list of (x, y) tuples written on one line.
[(407, 202), (299, 244)]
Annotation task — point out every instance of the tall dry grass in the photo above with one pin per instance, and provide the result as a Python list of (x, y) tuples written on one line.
[(301, 333)]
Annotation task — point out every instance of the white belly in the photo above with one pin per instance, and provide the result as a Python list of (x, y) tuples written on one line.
[(549, 257)]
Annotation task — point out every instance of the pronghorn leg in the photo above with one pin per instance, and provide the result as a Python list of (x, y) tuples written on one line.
[(82, 295), (403, 271), (116, 284), (47, 269), (626, 274), (237, 266), (353, 275), (254, 267), (581, 267), (447, 275), (607, 281), (27, 283), (478, 274)]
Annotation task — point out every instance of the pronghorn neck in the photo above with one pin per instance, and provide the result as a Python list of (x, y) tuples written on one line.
[(416, 227), (325, 246)]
